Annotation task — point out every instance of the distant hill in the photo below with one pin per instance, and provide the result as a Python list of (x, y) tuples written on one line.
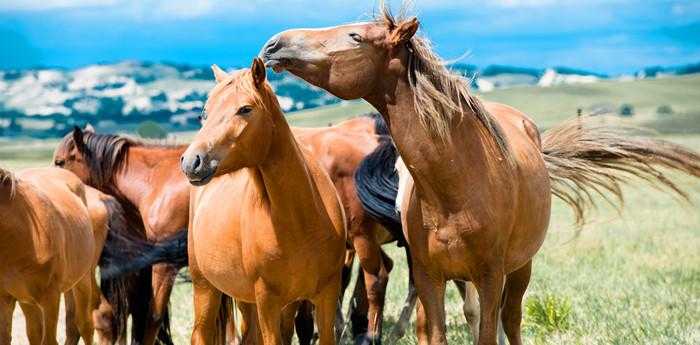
[(47, 102)]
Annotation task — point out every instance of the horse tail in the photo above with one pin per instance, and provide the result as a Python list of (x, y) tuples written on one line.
[(165, 337), (137, 254), (585, 158), (116, 289), (376, 181), (8, 184)]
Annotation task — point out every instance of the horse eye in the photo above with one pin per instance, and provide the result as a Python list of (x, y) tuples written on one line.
[(244, 110), (356, 37), (59, 163)]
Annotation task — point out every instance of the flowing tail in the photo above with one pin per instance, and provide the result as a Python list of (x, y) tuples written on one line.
[(137, 254), (585, 158)]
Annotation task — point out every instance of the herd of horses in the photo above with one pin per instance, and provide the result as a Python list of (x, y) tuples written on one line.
[(269, 218)]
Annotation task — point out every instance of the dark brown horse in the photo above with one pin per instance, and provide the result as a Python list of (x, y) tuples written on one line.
[(483, 178)]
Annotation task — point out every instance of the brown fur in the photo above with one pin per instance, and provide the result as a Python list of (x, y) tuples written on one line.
[(45, 236), (480, 204), (339, 149), (145, 180), (286, 216)]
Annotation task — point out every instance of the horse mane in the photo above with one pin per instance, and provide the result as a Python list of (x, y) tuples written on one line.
[(380, 127), (105, 154), (438, 93), (9, 181)]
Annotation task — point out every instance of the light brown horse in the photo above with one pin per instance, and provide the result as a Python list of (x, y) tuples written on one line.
[(340, 149), (47, 247), (480, 206), (267, 227)]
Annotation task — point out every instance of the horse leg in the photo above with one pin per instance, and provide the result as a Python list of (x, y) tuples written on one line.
[(72, 331), (102, 319), (359, 308), (470, 305), (7, 308), (376, 267), (270, 314), (490, 289), (326, 303), (163, 280), (207, 300), (431, 311), (402, 323), (250, 332), (511, 314), (83, 298), (42, 319), (34, 322), (287, 323)]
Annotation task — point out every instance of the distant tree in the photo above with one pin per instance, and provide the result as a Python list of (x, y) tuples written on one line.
[(151, 130), (626, 110), (664, 110)]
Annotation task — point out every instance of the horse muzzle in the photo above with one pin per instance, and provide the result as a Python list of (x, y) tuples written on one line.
[(198, 167)]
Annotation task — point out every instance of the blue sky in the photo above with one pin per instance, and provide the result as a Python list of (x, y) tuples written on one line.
[(609, 36)]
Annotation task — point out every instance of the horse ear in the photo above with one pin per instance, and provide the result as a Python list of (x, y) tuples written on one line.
[(78, 139), (89, 129), (404, 31), (257, 69), (219, 74)]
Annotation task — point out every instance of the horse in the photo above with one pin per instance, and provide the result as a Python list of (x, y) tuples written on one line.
[(483, 177), (341, 149), (264, 208), (155, 199), (47, 234)]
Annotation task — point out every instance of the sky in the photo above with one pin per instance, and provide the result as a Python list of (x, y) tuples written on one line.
[(606, 36)]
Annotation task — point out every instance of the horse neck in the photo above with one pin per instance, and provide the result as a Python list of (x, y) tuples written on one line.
[(134, 179), (288, 185), (443, 170)]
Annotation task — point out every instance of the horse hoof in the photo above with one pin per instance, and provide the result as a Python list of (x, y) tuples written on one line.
[(364, 339)]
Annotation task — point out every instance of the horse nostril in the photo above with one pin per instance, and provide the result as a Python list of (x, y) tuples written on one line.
[(197, 162), (271, 46)]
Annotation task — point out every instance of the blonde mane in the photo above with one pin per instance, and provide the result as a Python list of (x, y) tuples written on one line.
[(440, 94), (9, 180)]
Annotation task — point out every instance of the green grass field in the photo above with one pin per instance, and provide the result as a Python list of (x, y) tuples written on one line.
[(632, 278)]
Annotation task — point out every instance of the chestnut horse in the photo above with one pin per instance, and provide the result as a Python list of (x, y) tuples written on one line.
[(47, 247), (145, 180), (341, 149), (267, 226), (481, 200)]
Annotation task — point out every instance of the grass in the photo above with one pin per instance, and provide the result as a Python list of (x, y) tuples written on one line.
[(633, 279)]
